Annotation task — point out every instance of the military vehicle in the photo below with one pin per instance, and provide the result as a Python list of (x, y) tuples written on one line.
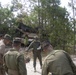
[(26, 33)]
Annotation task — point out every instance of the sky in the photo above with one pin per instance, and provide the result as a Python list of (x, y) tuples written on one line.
[(64, 3)]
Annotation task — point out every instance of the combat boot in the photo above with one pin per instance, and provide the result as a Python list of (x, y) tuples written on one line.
[(35, 69)]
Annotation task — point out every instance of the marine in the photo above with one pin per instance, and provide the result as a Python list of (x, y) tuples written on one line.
[(57, 62), (14, 60), (3, 42), (36, 45)]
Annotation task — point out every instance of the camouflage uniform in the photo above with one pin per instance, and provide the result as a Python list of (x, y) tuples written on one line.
[(36, 52), (2, 50), (58, 62), (14, 63), (6, 39)]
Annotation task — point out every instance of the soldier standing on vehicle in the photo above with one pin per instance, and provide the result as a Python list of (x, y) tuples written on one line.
[(3, 42), (58, 62), (35, 44), (14, 60)]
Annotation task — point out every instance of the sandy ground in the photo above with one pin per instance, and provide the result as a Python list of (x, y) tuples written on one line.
[(30, 69)]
